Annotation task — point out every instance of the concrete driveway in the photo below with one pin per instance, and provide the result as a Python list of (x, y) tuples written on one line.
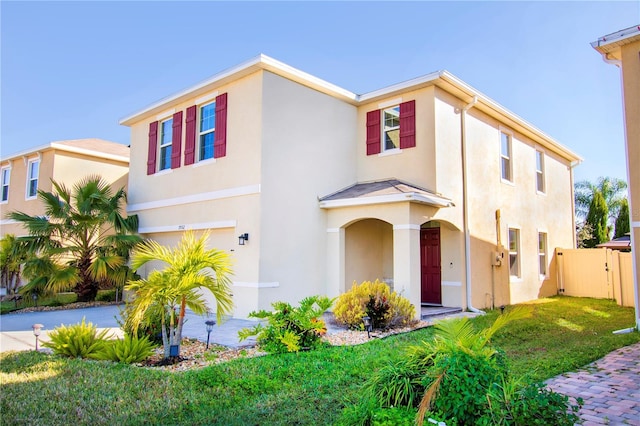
[(16, 332)]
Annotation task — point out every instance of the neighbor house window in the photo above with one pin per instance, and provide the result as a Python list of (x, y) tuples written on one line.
[(540, 171), (207, 130), (6, 176), (391, 128), (166, 133), (33, 168), (505, 156), (514, 252), (542, 252)]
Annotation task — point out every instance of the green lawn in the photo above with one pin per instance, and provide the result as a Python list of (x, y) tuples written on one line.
[(305, 388)]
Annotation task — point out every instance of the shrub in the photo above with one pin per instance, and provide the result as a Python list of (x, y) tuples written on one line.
[(150, 327), (128, 350), (106, 296), (78, 340), (290, 329), (387, 309), (515, 403)]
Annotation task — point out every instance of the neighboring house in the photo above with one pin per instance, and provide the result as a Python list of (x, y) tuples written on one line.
[(623, 49), (67, 162), (407, 184)]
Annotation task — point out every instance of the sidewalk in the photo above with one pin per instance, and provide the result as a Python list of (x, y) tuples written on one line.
[(610, 388)]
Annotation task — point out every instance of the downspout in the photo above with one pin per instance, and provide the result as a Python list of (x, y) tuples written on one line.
[(465, 208), (573, 202)]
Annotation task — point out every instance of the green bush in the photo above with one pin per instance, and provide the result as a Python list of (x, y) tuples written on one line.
[(128, 350), (150, 327), (290, 329), (106, 296), (79, 340), (514, 403), (387, 309)]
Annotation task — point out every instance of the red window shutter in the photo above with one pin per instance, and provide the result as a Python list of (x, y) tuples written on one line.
[(373, 132), (408, 124), (220, 139), (153, 148), (190, 136), (176, 140)]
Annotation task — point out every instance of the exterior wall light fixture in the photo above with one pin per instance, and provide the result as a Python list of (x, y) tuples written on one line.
[(243, 238)]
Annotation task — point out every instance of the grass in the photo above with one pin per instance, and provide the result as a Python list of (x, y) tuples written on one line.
[(290, 389)]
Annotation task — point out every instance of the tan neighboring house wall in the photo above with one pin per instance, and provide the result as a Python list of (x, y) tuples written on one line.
[(322, 211), (65, 162), (623, 50)]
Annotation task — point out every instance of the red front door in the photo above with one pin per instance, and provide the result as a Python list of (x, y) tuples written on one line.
[(430, 265)]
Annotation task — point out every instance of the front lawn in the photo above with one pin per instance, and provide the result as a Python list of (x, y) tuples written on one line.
[(305, 388)]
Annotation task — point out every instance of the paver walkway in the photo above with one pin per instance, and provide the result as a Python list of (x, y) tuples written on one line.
[(610, 388)]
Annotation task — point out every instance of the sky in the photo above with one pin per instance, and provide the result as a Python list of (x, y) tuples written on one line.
[(72, 70)]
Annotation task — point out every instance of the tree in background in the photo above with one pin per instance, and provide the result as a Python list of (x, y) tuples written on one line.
[(612, 190), (597, 218), (12, 256), (622, 221), (81, 241)]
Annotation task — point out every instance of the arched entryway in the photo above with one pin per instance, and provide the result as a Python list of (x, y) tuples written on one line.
[(368, 251)]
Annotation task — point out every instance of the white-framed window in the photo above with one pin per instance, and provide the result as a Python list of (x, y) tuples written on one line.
[(391, 128), (542, 253), (206, 131), (6, 177), (540, 183), (33, 170), (514, 252), (166, 139), (505, 157)]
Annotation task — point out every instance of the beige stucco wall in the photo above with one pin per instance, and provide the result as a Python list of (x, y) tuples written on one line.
[(630, 90), (308, 151)]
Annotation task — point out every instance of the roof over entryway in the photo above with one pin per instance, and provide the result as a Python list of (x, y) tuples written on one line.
[(383, 192)]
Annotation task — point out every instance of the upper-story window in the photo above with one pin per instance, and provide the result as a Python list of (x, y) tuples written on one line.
[(391, 128), (166, 133), (207, 130), (540, 183), (505, 157), (514, 252), (33, 169), (6, 176)]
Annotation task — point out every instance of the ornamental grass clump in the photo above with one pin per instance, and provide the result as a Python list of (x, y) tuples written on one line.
[(129, 350), (76, 341), (387, 309)]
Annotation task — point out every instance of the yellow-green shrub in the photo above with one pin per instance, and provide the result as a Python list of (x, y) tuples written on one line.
[(375, 299)]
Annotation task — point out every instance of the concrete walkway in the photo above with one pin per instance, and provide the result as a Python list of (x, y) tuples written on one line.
[(16, 332), (610, 388)]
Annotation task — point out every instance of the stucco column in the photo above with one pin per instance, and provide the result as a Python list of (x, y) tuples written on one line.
[(406, 263), (335, 262)]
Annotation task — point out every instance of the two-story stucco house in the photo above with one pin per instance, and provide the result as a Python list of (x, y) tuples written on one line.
[(24, 173), (427, 184), (622, 49)]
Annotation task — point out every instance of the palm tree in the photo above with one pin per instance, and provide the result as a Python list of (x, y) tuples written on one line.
[(81, 240), (189, 267), (612, 189), (12, 256)]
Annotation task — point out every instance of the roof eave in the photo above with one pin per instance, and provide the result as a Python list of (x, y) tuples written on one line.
[(433, 201), (260, 62)]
